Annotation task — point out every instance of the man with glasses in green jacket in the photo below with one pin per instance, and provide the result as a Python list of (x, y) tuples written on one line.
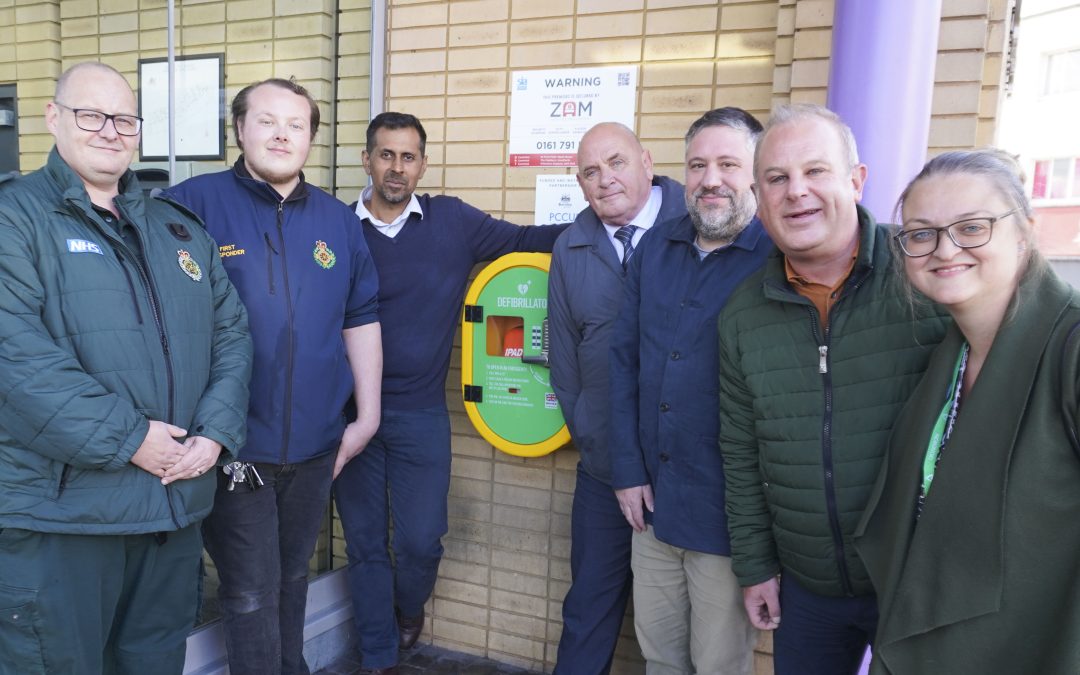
[(124, 364)]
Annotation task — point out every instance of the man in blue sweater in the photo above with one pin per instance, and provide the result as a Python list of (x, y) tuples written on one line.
[(666, 464), (298, 258), (585, 289), (424, 249)]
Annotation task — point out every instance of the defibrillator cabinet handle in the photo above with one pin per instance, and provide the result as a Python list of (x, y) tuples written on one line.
[(541, 359)]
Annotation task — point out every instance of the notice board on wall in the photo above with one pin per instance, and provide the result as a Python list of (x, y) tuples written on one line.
[(199, 107), (551, 109)]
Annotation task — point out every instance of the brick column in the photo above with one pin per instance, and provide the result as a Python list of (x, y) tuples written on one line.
[(30, 49)]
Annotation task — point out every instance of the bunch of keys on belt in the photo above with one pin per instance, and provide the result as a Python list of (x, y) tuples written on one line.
[(242, 472)]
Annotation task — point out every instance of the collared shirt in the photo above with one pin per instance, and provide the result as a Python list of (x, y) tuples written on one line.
[(392, 228), (642, 221), (823, 297)]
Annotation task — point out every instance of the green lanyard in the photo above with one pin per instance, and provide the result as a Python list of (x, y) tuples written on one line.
[(944, 425)]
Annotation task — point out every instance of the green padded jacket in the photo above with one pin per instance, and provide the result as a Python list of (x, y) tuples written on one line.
[(98, 338), (806, 413), (985, 584)]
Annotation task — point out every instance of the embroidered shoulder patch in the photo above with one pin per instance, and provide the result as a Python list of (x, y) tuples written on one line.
[(323, 255), (188, 265)]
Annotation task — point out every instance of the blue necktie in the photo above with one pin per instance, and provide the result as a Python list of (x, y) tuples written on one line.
[(625, 236)]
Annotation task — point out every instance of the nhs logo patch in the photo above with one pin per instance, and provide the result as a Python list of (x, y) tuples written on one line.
[(83, 246)]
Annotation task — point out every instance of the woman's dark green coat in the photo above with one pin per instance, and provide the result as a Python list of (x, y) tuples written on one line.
[(988, 581)]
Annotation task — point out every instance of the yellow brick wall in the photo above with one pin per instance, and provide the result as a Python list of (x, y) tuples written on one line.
[(449, 62), (260, 39), (353, 87), (970, 73), (31, 57), (506, 567)]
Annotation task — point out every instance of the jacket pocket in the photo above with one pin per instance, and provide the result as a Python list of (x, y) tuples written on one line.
[(20, 642), (61, 482)]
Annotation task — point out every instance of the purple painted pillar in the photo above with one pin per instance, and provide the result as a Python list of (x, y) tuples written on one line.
[(881, 81)]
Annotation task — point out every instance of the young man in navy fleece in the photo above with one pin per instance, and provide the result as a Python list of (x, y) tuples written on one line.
[(301, 266), (424, 249)]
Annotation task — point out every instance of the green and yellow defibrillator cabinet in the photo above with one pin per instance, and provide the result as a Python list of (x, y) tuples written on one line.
[(505, 378)]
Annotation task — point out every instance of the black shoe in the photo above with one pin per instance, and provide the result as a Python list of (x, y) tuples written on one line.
[(409, 629)]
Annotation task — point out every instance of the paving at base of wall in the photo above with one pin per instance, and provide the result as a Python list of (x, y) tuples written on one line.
[(429, 659)]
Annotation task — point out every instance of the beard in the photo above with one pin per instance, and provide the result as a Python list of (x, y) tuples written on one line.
[(278, 177), (268, 174), (721, 224), (393, 197)]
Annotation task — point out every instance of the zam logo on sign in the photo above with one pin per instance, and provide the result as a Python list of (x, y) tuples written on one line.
[(83, 246)]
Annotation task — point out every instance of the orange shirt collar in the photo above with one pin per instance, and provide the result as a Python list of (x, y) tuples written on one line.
[(823, 297)]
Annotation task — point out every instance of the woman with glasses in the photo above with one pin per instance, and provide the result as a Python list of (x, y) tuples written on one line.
[(971, 535)]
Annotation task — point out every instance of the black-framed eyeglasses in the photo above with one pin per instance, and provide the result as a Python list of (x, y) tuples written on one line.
[(966, 233), (88, 119)]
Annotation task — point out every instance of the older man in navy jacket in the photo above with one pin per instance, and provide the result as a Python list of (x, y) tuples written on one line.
[(584, 291), (666, 464)]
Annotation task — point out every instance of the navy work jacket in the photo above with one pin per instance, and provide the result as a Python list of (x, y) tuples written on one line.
[(665, 379), (585, 289), (304, 272)]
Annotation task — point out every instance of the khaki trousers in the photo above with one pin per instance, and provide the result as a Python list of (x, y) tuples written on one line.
[(688, 611)]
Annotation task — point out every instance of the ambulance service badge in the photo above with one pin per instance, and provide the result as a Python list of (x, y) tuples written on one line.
[(323, 255), (188, 265)]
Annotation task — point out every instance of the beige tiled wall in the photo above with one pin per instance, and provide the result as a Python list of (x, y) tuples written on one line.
[(506, 568), (30, 35), (449, 62), (970, 73), (260, 39), (353, 87)]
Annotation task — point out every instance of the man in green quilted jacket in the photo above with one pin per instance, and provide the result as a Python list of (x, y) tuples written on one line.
[(818, 352), (124, 366)]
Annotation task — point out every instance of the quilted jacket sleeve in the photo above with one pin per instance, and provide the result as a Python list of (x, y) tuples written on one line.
[(753, 550)]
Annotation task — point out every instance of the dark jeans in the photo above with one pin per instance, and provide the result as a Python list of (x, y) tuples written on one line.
[(819, 635), (404, 473), (261, 541), (600, 543), (91, 604)]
